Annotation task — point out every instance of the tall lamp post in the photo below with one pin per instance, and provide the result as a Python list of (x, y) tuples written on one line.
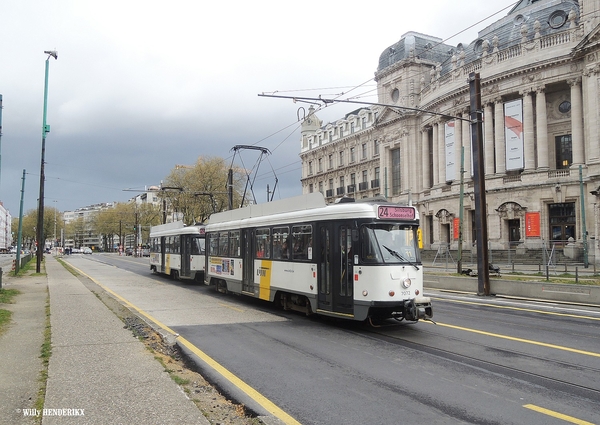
[(45, 130)]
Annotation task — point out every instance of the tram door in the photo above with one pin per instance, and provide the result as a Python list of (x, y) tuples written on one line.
[(336, 275), (186, 250), (248, 273), (163, 256)]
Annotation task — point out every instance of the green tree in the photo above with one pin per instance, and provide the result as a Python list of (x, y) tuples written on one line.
[(29, 226), (199, 190)]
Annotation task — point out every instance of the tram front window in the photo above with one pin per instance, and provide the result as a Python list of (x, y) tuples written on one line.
[(197, 246), (389, 243)]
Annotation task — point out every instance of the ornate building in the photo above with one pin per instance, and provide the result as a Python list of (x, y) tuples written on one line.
[(540, 83)]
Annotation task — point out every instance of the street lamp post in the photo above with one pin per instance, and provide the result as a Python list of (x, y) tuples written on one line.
[(45, 130)]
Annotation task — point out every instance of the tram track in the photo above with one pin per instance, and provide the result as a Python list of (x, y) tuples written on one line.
[(498, 368)]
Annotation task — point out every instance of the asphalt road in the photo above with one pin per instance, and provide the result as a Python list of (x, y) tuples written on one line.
[(487, 361)]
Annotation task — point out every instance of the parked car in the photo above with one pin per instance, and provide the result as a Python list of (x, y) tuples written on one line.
[(87, 250)]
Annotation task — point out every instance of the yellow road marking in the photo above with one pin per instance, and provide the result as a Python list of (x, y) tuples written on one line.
[(512, 338), (247, 389), (556, 415), (231, 307), (529, 310)]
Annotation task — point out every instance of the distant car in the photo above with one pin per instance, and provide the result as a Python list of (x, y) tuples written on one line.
[(87, 250), (128, 251)]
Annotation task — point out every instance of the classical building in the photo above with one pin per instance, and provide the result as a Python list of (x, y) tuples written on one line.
[(6, 236), (540, 88)]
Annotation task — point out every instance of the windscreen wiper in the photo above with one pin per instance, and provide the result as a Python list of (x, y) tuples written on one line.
[(400, 257)]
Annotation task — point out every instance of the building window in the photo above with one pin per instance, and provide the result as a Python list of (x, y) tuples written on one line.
[(375, 181), (310, 188), (310, 168), (353, 179), (564, 151), (562, 222), (352, 155), (364, 122), (331, 184), (376, 147), (564, 107), (320, 165), (341, 131), (364, 151), (341, 158), (321, 188), (342, 181), (351, 128), (364, 176), (330, 161)]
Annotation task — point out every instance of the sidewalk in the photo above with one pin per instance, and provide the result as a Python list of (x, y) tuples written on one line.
[(99, 373), (20, 348)]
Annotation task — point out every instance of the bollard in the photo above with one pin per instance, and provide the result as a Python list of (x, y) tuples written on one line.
[(576, 274), (0, 277)]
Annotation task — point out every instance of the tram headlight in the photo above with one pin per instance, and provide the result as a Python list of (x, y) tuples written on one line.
[(406, 282)]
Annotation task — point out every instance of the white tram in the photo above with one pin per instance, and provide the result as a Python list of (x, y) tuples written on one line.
[(353, 260), (178, 251)]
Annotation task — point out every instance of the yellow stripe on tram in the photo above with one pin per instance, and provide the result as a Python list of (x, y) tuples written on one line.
[(264, 272)]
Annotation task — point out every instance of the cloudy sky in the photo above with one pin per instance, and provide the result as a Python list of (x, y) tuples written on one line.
[(141, 86)]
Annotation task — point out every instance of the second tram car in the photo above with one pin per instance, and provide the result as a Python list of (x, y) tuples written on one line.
[(354, 260), (178, 251)]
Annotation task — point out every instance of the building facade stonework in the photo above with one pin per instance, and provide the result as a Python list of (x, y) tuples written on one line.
[(540, 89)]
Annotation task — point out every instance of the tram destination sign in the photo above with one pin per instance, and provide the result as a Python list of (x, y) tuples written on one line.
[(391, 212)]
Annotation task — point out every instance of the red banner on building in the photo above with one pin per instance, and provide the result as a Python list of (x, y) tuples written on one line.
[(456, 221), (532, 224)]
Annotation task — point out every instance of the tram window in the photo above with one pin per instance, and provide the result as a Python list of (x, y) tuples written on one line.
[(213, 244), (301, 241), (168, 245), (175, 248), (197, 246), (280, 243), (388, 243), (223, 244), (234, 243), (262, 247)]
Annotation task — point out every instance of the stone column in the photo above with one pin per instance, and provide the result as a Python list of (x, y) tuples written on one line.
[(577, 122), (442, 152), (488, 123), (541, 117), (592, 113), (499, 136), (528, 131), (436, 155), (425, 158)]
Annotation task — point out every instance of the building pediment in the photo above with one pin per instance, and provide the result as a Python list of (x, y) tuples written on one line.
[(589, 42), (388, 115)]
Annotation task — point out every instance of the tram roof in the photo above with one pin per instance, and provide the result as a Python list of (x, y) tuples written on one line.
[(175, 228), (306, 207)]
